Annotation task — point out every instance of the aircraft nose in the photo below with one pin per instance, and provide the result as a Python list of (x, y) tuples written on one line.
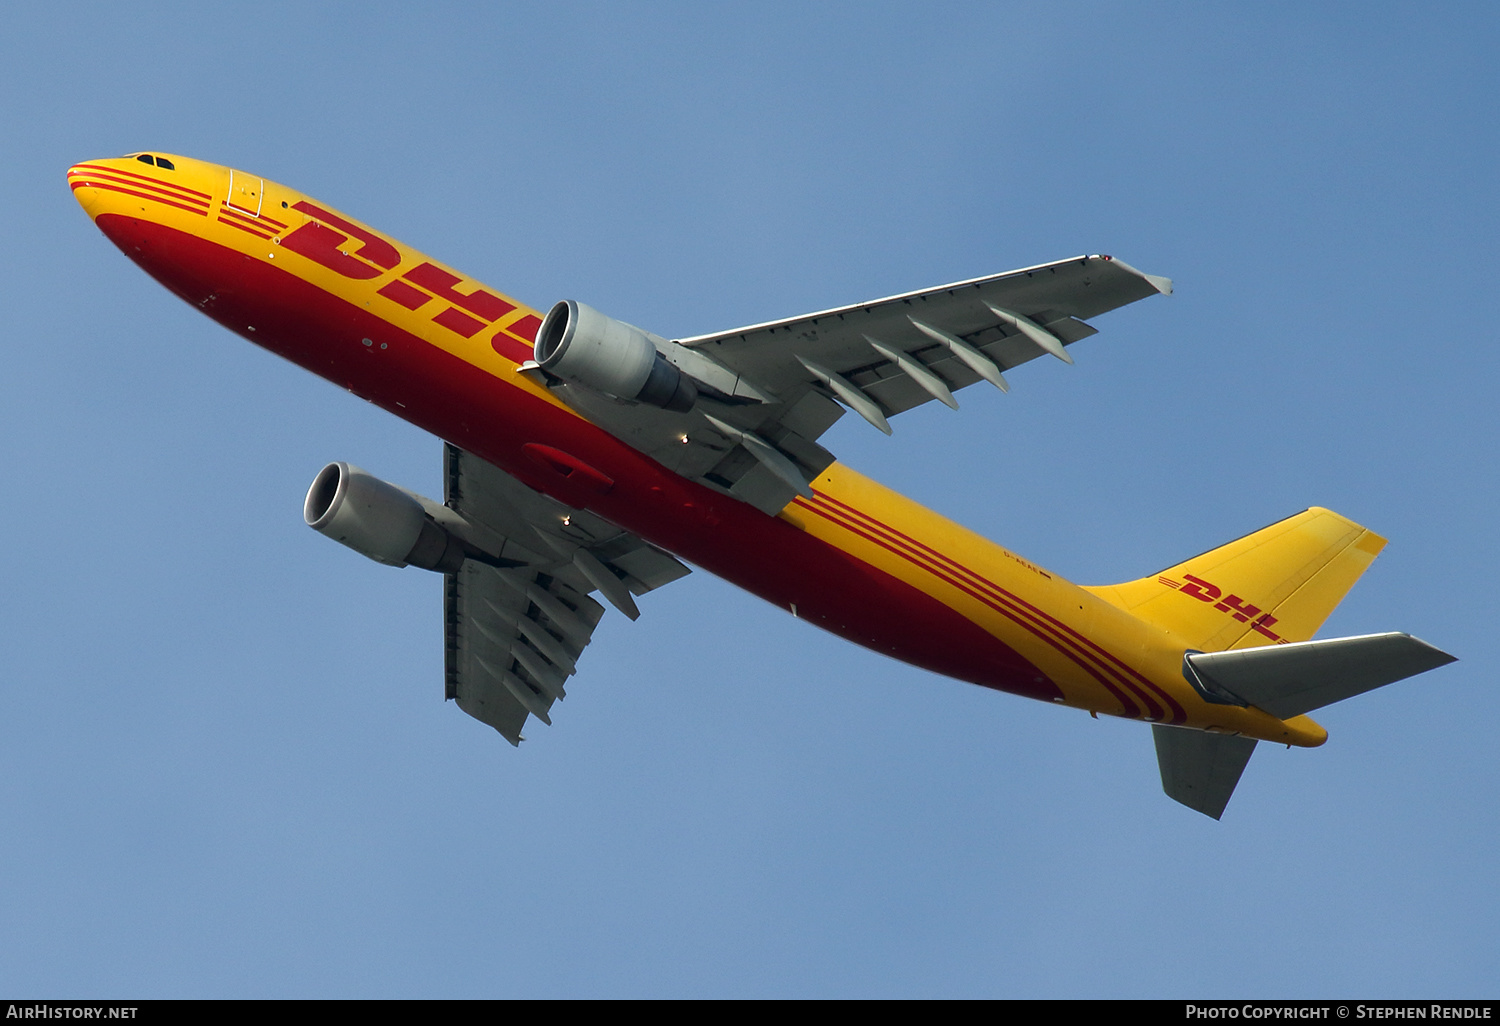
[(83, 190)]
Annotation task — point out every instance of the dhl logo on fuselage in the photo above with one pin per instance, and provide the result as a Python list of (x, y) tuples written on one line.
[(359, 254), (1235, 606), (341, 246)]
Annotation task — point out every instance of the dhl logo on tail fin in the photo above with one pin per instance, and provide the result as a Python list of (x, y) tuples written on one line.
[(1273, 586)]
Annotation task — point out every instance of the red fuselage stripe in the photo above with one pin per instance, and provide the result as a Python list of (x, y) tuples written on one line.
[(259, 233), (83, 184), (130, 178), (1006, 609), (1119, 666), (242, 219)]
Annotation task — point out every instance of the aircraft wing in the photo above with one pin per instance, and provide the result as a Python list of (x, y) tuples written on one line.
[(513, 635), (1008, 318), (774, 388)]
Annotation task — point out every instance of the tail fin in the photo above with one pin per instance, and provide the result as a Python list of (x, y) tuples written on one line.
[(1267, 592), (1276, 585)]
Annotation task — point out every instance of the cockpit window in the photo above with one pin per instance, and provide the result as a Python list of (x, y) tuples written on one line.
[(161, 162)]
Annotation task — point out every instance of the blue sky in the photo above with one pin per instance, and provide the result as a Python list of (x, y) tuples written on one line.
[(226, 768)]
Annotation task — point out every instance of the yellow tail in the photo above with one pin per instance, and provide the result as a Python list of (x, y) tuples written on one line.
[(1276, 585)]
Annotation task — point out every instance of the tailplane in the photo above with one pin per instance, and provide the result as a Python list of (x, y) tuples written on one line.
[(1289, 680), (1200, 769)]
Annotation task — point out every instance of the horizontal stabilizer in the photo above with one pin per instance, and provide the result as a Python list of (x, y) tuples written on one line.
[(1200, 769), (1289, 680)]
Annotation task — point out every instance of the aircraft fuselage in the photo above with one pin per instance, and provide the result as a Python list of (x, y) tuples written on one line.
[(442, 350)]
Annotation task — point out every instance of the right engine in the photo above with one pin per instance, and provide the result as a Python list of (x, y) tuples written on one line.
[(579, 344)]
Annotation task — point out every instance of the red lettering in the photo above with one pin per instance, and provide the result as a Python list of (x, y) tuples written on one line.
[(321, 245), (526, 327), (440, 283), (1263, 626), (1243, 611), (373, 248), (513, 349), (1199, 589), (397, 291), (516, 341), (458, 321)]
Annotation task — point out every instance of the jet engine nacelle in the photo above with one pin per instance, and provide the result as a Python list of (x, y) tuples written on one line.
[(379, 520), (579, 344)]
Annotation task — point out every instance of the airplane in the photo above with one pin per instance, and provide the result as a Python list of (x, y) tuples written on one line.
[(584, 456)]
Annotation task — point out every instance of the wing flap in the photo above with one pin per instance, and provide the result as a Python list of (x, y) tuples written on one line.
[(507, 656), (513, 636)]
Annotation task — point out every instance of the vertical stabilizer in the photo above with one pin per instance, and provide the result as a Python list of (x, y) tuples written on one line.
[(1276, 585)]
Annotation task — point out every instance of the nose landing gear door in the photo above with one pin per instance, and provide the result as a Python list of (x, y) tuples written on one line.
[(245, 192)]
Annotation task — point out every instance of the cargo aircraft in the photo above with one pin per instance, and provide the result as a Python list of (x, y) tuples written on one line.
[(587, 457)]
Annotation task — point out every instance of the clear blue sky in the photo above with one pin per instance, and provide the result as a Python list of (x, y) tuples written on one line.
[(226, 768)]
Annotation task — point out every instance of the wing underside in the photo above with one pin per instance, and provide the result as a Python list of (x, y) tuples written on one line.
[(513, 635), (773, 389)]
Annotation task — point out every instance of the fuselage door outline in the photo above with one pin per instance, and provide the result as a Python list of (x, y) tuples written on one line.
[(245, 192)]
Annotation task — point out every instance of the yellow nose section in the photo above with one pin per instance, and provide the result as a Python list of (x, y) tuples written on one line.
[(157, 186), (83, 179)]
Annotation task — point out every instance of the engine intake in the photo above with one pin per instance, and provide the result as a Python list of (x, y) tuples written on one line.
[(579, 344)]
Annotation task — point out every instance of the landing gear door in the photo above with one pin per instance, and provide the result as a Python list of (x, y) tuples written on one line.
[(245, 192)]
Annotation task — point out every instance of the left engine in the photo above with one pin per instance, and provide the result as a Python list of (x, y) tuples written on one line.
[(379, 520)]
